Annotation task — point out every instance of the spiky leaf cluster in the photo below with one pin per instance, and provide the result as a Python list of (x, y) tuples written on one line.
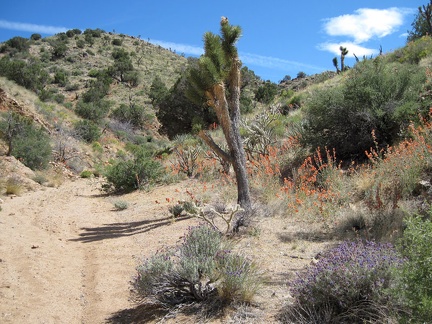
[(216, 62)]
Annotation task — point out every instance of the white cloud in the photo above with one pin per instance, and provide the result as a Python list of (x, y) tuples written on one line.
[(246, 58), (43, 29), (352, 48), (367, 23), (275, 63), (179, 48)]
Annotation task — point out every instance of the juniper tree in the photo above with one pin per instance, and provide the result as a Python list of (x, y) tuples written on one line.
[(216, 83)]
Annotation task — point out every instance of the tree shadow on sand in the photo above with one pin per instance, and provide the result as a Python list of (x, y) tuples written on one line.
[(116, 230), (140, 314)]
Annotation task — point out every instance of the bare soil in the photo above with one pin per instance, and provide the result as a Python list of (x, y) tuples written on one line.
[(67, 256)]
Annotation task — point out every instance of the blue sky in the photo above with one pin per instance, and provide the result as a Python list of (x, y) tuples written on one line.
[(280, 37)]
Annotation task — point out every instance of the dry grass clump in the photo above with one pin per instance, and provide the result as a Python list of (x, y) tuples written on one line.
[(13, 185)]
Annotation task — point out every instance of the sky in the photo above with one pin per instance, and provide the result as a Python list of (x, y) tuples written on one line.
[(279, 37)]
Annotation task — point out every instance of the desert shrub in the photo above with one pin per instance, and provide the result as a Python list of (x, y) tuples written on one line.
[(86, 174), (139, 172), (72, 87), (40, 178), (415, 286), (70, 33), (122, 68), (30, 75), (246, 104), (98, 88), (59, 49), (158, 90), (267, 92), (14, 185), (33, 148), (62, 37), (376, 96), (18, 43), (117, 42), (177, 114), (35, 37), (94, 111), (90, 52), (347, 284), (89, 39), (301, 75), (132, 114), (94, 32), (80, 43), (87, 130), (93, 73), (61, 77), (59, 98), (121, 205), (414, 51), (201, 269), (26, 141)]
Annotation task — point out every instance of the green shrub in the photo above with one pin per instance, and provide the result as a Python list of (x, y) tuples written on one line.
[(375, 97), (87, 130), (35, 37), (415, 287), (158, 90), (18, 43), (61, 77), (93, 73), (30, 75), (267, 92), (139, 172), (202, 269), (59, 98), (59, 50), (86, 174), (94, 110), (131, 114), (121, 205), (71, 87), (80, 43), (117, 42), (26, 142), (301, 75), (414, 51)]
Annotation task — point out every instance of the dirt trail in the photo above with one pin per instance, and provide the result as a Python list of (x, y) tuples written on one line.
[(66, 256)]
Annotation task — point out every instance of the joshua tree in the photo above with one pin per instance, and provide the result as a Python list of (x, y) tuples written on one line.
[(344, 52), (336, 64), (422, 25), (216, 83)]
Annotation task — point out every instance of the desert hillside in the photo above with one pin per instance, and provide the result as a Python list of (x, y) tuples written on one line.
[(138, 185)]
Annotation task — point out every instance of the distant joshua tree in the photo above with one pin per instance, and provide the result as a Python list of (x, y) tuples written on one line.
[(344, 52)]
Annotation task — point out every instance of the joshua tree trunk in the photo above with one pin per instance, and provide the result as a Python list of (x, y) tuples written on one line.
[(221, 63)]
